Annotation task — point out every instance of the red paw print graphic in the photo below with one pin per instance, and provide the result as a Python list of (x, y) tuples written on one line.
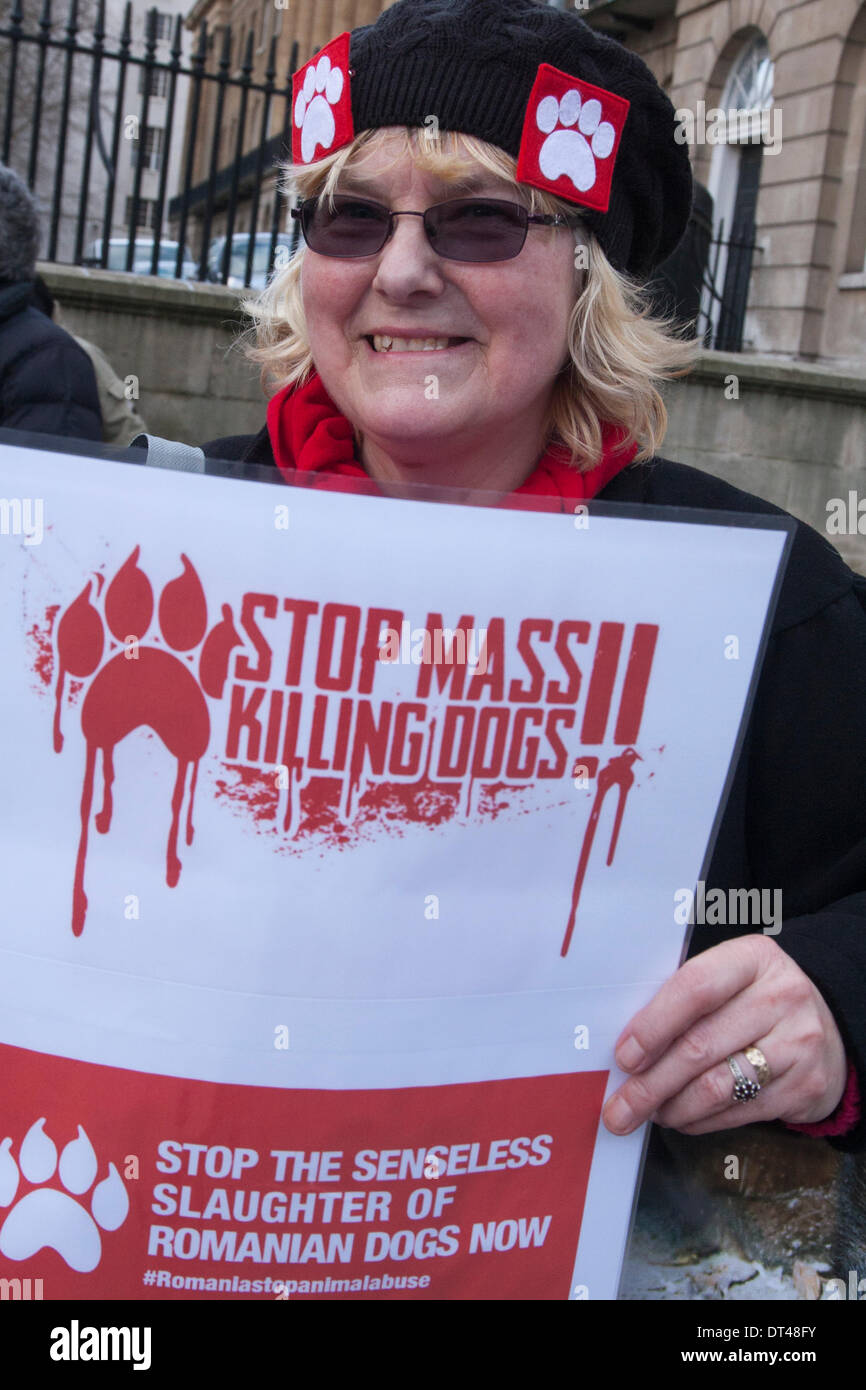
[(141, 686)]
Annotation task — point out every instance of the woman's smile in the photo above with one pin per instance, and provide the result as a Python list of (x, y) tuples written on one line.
[(384, 345)]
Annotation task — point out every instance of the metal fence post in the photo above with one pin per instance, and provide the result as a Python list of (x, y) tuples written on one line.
[(198, 63), (270, 74), (92, 117), (15, 22), (176, 51), (123, 60), (147, 72), (246, 74), (222, 78), (42, 40), (70, 46), (287, 143)]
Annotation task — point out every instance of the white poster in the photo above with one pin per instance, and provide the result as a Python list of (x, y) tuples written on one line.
[(340, 839)]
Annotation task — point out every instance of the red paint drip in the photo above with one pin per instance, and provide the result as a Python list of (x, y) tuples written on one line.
[(296, 765), (156, 691), (58, 699), (172, 863), (146, 688), (79, 897), (190, 832), (80, 644), (103, 818), (616, 773)]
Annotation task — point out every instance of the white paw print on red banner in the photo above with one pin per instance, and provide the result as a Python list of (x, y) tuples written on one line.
[(66, 1220), (571, 136), (322, 103)]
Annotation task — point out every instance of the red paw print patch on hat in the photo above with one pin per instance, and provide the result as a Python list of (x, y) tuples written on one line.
[(571, 136), (322, 103)]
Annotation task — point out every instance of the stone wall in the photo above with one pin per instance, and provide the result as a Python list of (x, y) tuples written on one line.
[(176, 337), (788, 431), (794, 433)]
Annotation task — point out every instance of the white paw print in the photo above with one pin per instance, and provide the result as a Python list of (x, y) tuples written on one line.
[(569, 151), (46, 1216), (322, 89)]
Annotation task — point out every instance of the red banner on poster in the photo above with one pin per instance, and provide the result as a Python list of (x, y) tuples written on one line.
[(133, 1186)]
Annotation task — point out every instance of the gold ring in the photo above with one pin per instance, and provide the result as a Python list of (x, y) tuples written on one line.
[(754, 1055)]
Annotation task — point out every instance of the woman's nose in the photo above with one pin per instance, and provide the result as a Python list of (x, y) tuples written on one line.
[(407, 261)]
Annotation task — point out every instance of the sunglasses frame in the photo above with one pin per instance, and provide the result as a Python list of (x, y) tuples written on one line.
[(301, 214)]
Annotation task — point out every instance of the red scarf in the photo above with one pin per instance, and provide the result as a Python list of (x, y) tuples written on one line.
[(310, 436)]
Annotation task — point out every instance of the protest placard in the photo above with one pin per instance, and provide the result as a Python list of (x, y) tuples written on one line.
[(341, 836)]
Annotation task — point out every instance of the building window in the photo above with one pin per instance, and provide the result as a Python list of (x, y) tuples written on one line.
[(750, 83), (146, 209), (164, 24), (154, 143), (157, 84), (734, 183)]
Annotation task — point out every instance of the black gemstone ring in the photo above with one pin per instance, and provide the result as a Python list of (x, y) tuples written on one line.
[(744, 1089)]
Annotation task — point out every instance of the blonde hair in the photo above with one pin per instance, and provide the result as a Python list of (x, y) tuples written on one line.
[(620, 353)]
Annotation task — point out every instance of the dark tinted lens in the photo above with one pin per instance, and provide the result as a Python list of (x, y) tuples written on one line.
[(472, 229), (352, 227)]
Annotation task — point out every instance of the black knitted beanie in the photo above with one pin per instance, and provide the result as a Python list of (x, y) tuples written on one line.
[(584, 117)]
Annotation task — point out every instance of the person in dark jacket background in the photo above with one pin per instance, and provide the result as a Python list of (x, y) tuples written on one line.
[(47, 382), (121, 422)]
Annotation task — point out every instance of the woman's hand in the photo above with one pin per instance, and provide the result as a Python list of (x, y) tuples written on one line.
[(741, 993)]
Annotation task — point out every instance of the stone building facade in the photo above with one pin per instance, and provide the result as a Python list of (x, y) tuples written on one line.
[(804, 67), (786, 168)]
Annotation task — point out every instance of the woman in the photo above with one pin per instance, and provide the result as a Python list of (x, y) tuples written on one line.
[(508, 247)]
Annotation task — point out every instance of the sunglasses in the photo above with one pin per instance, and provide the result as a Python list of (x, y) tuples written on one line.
[(464, 229)]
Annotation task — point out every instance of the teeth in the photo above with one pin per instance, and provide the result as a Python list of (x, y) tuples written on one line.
[(385, 343)]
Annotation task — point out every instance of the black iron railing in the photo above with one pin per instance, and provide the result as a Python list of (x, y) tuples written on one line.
[(726, 281), (104, 68), (704, 285)]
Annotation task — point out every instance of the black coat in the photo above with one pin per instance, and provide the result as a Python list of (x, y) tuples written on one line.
[(795, 819), (47, 382)]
